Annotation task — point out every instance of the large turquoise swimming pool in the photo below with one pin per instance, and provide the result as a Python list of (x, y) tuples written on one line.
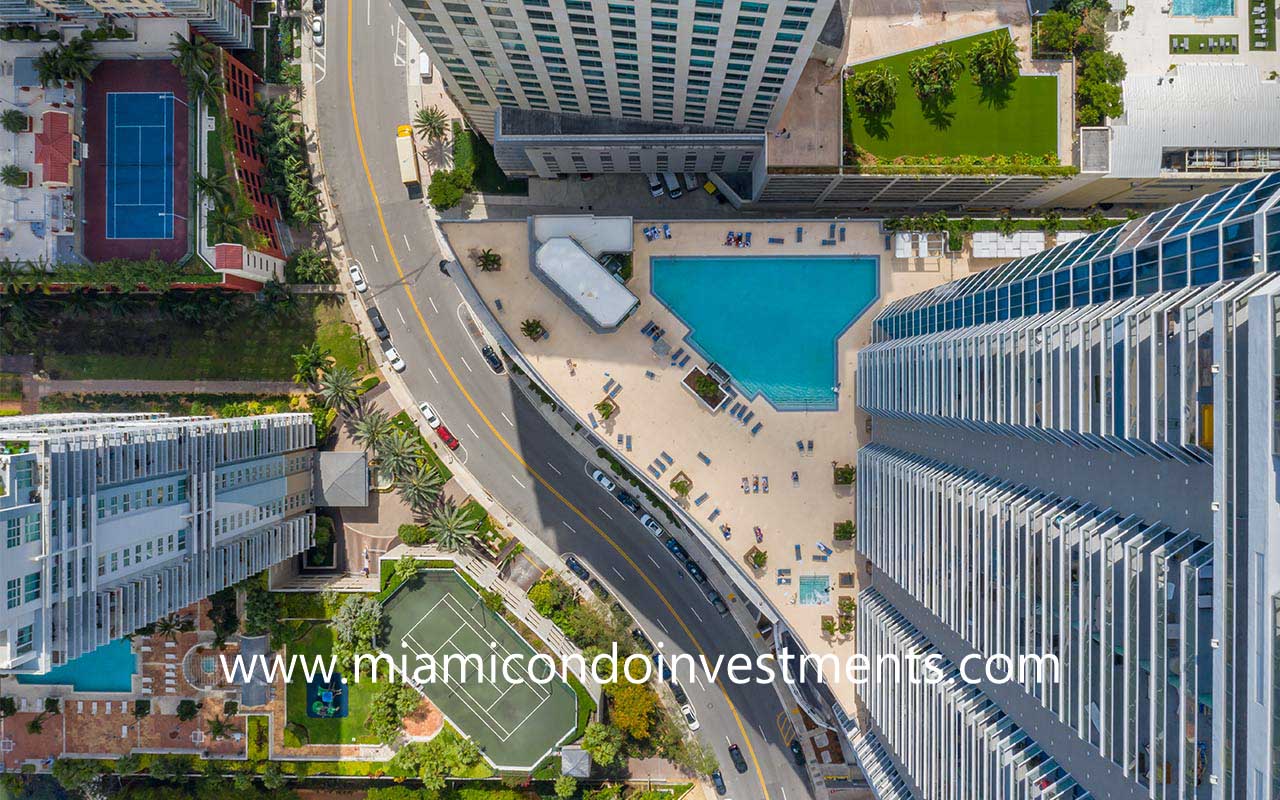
[(1204, 8), (770, 322), (110, 668)]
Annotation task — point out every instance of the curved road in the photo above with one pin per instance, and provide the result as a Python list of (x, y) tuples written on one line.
[(519, 458)]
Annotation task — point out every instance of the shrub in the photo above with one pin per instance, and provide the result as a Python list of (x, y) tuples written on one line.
[(993, 60), (844, 474), (1056, 32), (413, 534), (309, 265), (934, 74), (759, 558), (682, 487), (874, 92), (446, 189), (844, 531)]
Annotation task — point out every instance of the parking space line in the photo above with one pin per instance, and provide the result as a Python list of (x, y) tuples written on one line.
[(517, 480), (401, 316), (508, 419), (408, 246), (655, 563), (375, 252), (619, 574), (606, 513), (695, 613)]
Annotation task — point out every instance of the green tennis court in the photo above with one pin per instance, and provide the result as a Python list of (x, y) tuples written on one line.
[(438, 614)]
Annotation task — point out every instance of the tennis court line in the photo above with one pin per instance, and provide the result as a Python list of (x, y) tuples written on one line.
[(118, 131)]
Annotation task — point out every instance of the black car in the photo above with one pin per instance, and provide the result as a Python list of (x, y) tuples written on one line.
[(317, 6), (695, 571), (379, 327), (716, 601), (575, 566), (664, 672), (444, 266), (641, 640), (797, 751), (495, 363), (735, 754), (630, 502), (717, 780), (676, 550), (678, 691)]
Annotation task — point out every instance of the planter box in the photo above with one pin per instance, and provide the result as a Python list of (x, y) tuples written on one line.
[(691, 380)]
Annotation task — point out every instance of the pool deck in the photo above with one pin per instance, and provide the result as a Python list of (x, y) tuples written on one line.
[(660, 415)]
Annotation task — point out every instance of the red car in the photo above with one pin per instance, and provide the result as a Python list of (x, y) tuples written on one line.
[(450, 441)]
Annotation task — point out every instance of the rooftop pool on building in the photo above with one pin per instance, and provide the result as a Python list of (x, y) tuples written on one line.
[(109, 668), (771, 322)]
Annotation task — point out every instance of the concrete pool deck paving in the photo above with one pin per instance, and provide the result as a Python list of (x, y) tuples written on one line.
[(660, 415)]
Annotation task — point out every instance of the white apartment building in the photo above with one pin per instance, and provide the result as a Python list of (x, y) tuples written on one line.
[(112, 521), (225, 22), (1075, 456), (573, 86)]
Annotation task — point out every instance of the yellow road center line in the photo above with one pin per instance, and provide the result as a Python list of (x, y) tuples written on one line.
[(395, 259)]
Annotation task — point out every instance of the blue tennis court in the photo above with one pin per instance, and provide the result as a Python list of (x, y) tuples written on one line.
[(139, 165)]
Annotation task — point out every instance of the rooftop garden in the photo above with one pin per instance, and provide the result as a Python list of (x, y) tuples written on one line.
[(961, 106)]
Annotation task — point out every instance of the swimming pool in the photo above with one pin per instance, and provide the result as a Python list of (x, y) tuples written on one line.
[(770, 322), (110, 668), (815, 590), (1204, 8)]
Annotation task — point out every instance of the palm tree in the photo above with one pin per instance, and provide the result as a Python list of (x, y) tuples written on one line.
[(399, 452), (13, 120), (421, 487), (340, 389), (488, 261), (431, 123), (308, 363), (217, 187), (13, 175), (191, 56), (532, 328), (451, 527), (168, 627), (74, 60), (220, 728), (371, 429), (226, 221)]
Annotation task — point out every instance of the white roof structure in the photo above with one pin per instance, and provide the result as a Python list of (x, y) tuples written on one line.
[(989, 244), (1202, 106), (596, 235), (579, 279)]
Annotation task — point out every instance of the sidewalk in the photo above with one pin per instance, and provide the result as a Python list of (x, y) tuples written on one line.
[(46, 388)]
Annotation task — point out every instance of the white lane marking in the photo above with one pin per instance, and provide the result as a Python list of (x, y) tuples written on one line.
[(408, 246), (517, 480), (567, 525), (606, 513), (695, 613), (655, 563), (465, 364), (433, 305), (664, 630), (619, 574), (696, 680), (784, 790), (553, 468), (473, 430), (508, 419), (401, 316), (433, 375), (375, 253), (368, 13)]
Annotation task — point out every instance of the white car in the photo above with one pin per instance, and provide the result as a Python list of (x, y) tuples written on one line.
[(653, 526), (429, 414), (655, 184), (687, 710), (357, 277), (317, 31), (393, 358), (602, 479)]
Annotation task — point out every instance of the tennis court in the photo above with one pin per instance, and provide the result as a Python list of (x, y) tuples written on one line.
[(139, 165), (438, 614)]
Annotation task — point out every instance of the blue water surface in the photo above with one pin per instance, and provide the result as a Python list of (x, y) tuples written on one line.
[(770, 322), (110, 668), (1204, 8)]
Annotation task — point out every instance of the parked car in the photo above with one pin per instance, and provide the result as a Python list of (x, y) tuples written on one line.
[(424, 67), (678, 691), (575, 566), (716, 601), (655, 185), (495, 363), (628, 501), (641, 640), (672, 185), (797, 751), (317, 31), (653, 526), (677, 550), (375, 319), (429, 414), (689, 717), (691, 184), (393, 357), (317, 6), (695, 571), (357, 277), (735, 755), (599, 477), (664, 672), (446, 436), (717, 780)]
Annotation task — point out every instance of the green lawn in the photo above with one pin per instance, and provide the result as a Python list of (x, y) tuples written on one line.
[(245, 345), (1198, 44), (1268, 15), (345, 730), (470, 148), (1024, 122)]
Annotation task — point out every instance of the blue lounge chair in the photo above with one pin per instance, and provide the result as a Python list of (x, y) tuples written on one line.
[(685, 360), (757, 428), (703, 458), (799, 555), (615, 391), (676, 355), (648, 326), (666, 231), (619, 440), (828, 242), (714, 515), (608, 385), (776, 240), (748, 238), (592, 417), (842, 234), (648, 373), (628, 443), (702, 499), (742, 410), (799, 234), (668, 458), (747, 419), (832, 233), (800, 445), (733, 411), (810, 445), (655, 473)]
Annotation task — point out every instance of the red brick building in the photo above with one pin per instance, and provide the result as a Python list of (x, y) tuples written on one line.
[(249, 166)]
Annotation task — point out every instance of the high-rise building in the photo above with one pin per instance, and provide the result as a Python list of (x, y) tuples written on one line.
[(1075, 456), (226, 22), (112, 521), (575, 86)]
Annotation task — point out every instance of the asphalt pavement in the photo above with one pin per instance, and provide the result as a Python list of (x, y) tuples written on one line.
[(515, 453)]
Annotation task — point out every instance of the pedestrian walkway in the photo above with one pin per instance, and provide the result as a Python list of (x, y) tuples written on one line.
[(46, 388)]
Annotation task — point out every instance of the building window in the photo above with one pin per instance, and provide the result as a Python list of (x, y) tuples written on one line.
[(13, 592), (26, 636), (31, 587)]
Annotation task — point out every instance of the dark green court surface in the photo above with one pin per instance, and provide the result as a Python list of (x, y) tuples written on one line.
[(515, 724)]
